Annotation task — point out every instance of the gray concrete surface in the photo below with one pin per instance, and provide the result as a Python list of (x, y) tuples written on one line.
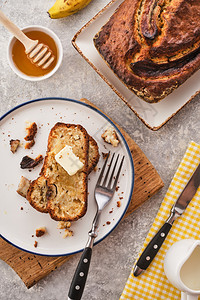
[(112, 258)]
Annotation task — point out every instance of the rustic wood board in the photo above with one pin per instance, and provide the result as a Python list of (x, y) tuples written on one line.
[(31, 268)]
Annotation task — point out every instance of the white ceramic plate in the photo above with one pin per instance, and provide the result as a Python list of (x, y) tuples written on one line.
[(153, 115), (18, 226)]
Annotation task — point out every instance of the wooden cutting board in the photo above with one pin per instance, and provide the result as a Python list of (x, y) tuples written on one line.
[(31, 268)]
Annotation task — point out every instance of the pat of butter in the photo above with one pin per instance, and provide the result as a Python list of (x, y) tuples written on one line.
[(68, 160)]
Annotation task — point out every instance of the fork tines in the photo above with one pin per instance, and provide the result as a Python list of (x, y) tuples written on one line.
[(111, 178)]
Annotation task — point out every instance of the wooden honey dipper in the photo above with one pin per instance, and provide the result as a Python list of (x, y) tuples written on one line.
[(38, 53)]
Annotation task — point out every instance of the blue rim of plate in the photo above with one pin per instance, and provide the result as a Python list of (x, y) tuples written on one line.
[(127, 148)]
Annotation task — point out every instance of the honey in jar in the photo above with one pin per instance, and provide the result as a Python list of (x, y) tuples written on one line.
[(24, 64)]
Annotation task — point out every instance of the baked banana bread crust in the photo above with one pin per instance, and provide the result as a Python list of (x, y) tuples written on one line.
[(153, 46), (93, 155)]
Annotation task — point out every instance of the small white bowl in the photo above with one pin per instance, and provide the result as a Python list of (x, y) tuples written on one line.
[(59, 47)]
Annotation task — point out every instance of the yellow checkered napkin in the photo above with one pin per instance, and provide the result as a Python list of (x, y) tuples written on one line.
[(153, 284)]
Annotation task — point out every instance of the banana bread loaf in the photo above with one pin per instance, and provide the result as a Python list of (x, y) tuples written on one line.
[(153, 46)]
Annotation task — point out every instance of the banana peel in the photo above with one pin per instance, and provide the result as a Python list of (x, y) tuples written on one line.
[(64, 8)]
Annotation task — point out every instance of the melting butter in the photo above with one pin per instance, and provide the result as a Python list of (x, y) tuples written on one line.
[(68, 160)]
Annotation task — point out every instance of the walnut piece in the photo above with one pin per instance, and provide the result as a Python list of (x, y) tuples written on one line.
[(23, 186), (28, 162), (14, 144)]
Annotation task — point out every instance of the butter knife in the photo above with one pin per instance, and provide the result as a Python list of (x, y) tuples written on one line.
[(177, 210)]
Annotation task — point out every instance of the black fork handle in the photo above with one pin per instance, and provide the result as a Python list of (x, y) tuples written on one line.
[(80, 275)]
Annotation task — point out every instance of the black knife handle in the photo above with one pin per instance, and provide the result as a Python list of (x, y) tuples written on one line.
[(153, 247), (80, 275)]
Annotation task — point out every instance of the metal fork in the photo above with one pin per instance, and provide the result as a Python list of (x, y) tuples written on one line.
[(103, 193)]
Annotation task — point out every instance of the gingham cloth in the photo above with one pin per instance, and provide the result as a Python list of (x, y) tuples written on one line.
[(153, 284)]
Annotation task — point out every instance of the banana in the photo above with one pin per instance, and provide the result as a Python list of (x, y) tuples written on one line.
[(64, 8)]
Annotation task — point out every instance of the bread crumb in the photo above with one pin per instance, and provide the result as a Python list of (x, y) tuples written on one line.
[(110, 136), (95, 169), (118, 203), (14, 144), (40, 231), (31, 130), (66, 226), (108, 222), (35, 244), (104, 155), (63, 225), (30, 144), (67, 233)]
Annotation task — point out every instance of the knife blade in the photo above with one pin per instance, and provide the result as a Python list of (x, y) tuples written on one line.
[(177, 210)]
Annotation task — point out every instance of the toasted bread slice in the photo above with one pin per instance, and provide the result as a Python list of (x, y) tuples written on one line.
[(64, 194), (39, 192), (67, 201)]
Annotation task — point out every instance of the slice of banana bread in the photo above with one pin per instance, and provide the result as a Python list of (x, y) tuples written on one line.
[(64, 196)]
